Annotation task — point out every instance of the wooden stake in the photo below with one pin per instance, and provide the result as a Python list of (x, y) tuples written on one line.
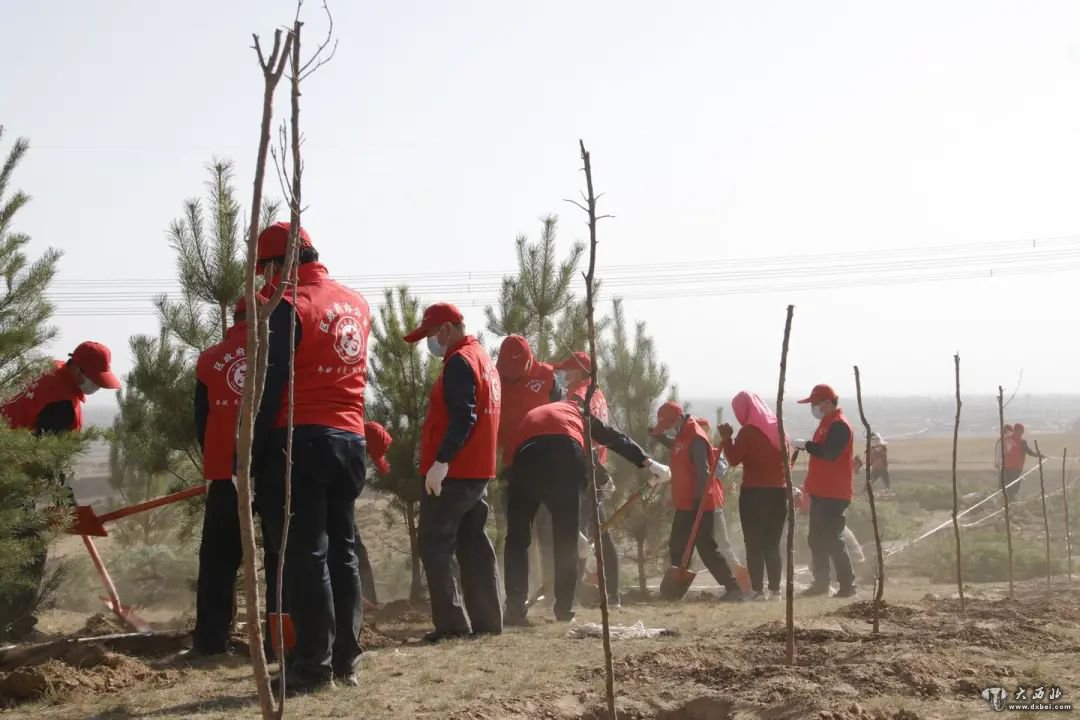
[(272, 69), (1065, 502), (594, 491), (955, 494), (1046, 518), (879, 584), (1004, 493), (789, 653)]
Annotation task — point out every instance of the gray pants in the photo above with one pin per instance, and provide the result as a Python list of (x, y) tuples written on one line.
[(723, 542)]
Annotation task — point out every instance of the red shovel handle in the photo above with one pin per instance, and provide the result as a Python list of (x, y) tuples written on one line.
[(155, 503), (693, 534)]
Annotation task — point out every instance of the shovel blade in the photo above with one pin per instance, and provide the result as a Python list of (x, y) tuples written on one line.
[(87, 523), (676, 582)]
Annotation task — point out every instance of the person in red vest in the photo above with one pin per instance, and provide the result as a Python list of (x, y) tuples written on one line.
[(573, 373), (829, 483), (693, 486), (1017, 451), (378, 443), (877, 459), (548, 469), (763, 496), (330, 374), (219, 383), (526, 384), (458, 446), (52, 404)]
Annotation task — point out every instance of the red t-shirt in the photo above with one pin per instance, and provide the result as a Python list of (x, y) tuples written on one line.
[(763, 465)]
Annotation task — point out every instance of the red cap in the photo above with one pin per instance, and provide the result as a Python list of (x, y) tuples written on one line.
[(94, 360), (577, 361), (378, 442), (515, 355), (273, 240), (666, 417), (434, 317), (820, 394)]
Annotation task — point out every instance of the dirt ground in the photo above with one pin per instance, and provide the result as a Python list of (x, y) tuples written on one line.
[(725, 662)]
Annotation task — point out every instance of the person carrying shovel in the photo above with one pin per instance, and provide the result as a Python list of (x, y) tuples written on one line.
[(695, 493), (549, 468)]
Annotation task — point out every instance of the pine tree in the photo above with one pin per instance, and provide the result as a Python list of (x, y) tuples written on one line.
[(28, 465), (634, 380), (401, 378)]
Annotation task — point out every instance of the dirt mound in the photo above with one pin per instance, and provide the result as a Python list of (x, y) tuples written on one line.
[(86, 668), (372, 639), (864, 610), (101, 624), (403, 611)]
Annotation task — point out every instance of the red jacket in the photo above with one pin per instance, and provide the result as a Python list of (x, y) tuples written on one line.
[(331, 360), (56, 385), (832, 478), (222, 369), (599, 409), (684, 478), (1015, 457), (476, 460), (763, 465), (558, 418), (518, 398)]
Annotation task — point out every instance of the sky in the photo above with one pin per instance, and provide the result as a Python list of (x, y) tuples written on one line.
[(722, 133)]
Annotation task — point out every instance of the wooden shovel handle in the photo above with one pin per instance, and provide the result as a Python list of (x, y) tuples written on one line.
[(693, 534)]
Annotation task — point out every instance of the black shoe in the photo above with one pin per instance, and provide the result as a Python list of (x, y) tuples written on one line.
[(347, 679), (435, 636), (565, 616), (516, 618), (815, 591), (732, 595), (847, 592), (300, 685)]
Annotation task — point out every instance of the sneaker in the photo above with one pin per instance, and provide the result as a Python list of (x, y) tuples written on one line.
[(848, 592), (566, 616), (347, 679), (759, 596), (775, 595), (732, 595), (815, 591), (300, 685), (516, 618)]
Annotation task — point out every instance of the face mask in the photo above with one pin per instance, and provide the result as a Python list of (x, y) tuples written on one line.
[(88, 387), (435, 347), (560, 377), (817, 412)]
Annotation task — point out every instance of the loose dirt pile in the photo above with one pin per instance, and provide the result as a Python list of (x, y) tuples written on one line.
[(403, 612), (83, 668), (372, 639), (101, 624)]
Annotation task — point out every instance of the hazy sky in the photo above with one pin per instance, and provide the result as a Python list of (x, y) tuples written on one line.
[(720, 131)]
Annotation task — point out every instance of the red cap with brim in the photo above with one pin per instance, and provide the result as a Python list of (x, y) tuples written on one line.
[(434, 317), (577, 361), (378, 442), (95, 360), (666, 417), (820, 394), (274, 239)]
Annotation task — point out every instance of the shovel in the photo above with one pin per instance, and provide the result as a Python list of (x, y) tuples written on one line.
[(124, 612), (677, 579), (89, 523)]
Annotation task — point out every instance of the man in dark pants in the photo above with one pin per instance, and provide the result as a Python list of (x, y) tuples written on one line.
[(829, 483), (693, 487), (548, 468), (322, 579), (51, 405), (457, 457), (219, 383)]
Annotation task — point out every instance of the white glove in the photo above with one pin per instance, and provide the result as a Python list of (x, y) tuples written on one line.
[(660, 473), (584, 547), (234, 485), (435, 476), (607, 490), (800, 444)]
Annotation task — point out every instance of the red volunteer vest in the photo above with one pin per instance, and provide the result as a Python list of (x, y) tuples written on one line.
[(559, 418), (1014, 453), (599, 409), (476, 459), (832, 478), (331, 360), (518, 399), (222, 369), (56, 385), (684, 475)]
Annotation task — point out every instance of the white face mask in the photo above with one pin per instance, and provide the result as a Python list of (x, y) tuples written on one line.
[(560, 377), (817, 411), (88, 387), (435, 347)]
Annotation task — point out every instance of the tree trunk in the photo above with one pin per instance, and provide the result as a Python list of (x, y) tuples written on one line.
[(1004, 492), (789, 653), (416, 590), (641, 566), (879, 585), (1046, 518), (1065, 502), (955, 494)]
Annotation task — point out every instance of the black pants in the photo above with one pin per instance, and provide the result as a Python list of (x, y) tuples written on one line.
[(367, 577), (763, 512), (1011, 475), (826, 542), (548, 470), (322, 579), (705, 543), (453, 525), (882, 475), (220, 555)]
